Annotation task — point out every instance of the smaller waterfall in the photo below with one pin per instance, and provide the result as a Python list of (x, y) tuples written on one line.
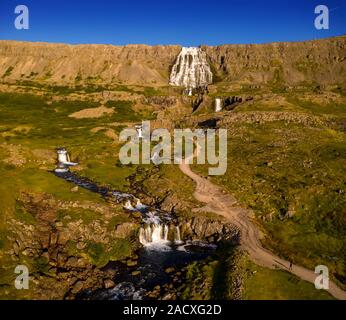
[(218, 105), (159, 235), (177, 238), (140, 206), (154, 235), (129, 206)]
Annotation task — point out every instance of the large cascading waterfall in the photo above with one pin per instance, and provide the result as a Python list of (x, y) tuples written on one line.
[(191, 69)]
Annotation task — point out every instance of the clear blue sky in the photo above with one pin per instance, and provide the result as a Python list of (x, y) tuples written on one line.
[(186, 22)]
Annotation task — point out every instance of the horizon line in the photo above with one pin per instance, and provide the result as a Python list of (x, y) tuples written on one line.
[(169, 45)]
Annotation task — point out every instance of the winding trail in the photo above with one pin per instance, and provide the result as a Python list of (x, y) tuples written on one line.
[(224, 204)]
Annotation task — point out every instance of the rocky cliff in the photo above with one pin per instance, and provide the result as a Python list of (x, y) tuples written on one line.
[(319, 61), (70, 64)]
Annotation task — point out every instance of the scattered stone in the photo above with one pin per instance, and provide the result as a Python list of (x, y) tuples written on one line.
[(170, 270), (108, 283), (81, 245), (77, 286), (74, 189), (131, 263), (169, 296)]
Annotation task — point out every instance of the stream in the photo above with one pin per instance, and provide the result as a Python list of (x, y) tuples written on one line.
[(163, 256)]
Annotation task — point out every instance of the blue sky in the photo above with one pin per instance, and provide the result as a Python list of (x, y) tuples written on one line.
[(186, 22)]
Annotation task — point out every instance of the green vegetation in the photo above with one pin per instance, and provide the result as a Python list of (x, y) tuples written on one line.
[(87, 216), (292, 176), (266, 284), (8, 72), (100, 254), (231, 275)]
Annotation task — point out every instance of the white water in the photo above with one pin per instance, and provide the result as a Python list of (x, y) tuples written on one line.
[(191, 70), (218, 106), (156, 235), (129, 206), (177, 239), (140, 206), (156, 231)]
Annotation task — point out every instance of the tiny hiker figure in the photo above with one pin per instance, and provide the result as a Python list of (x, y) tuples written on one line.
[(291, 264)]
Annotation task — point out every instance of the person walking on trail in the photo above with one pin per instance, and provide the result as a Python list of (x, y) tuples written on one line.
[(291, 265)]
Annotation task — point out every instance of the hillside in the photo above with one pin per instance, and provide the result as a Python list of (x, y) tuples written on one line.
[(319, 61)]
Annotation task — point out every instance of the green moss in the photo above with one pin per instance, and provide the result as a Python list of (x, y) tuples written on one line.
[(87, 216), (97, 253), (117, 220), (22, 215), (120, 249), (100, 254)]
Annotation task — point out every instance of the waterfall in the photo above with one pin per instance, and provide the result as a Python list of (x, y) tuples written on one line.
[(191, 69), (177, 238), (218, 105), (154, 235), (157, 235), (140, 206), (129, 206)]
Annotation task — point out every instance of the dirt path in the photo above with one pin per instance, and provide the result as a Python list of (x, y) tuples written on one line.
[(221, 203)]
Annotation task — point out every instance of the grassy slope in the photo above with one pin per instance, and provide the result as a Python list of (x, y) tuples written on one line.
[(269, 170), (31, 127), (292, 176)]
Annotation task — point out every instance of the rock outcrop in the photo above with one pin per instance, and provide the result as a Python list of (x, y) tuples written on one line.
[(290, 63)]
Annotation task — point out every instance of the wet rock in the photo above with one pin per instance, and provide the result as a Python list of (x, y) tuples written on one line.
[(61, 259), (108, 283), (53, 238), (131, 263), (72, 262), (81, 245), (169, 270), (124, 230), (169, 296), (64, 236), (78, 286)]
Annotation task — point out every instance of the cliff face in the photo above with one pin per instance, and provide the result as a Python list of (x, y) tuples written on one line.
[(320, 61), (68, 64)]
